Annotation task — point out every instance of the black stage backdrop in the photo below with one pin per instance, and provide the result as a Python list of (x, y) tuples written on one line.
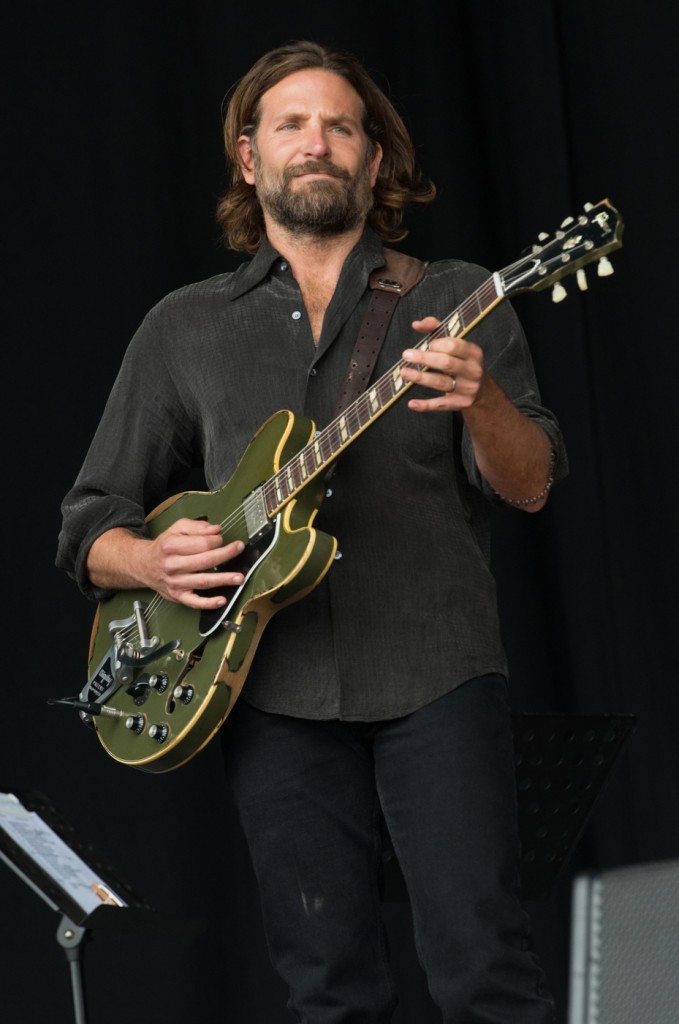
[(521, 113)]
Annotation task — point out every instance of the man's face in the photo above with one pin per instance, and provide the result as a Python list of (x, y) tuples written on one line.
[(310, 161)]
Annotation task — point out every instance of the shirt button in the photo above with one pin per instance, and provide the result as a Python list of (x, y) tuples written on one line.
[(313, 371), (284, 265), (338, 555), (296, 315)]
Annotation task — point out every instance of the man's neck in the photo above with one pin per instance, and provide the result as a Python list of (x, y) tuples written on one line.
[(313, 257), (316, 264)]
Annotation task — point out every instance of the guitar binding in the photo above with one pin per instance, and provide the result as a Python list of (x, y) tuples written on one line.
[(251, 556)]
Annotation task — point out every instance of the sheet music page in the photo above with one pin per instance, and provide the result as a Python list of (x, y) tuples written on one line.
[(49, 851)]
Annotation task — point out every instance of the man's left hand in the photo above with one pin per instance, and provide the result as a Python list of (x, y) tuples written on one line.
[(452, 366)]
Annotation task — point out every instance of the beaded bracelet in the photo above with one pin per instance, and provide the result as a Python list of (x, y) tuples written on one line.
[(521, 502)]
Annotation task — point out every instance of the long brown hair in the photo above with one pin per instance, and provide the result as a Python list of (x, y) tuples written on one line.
[(399, 182)]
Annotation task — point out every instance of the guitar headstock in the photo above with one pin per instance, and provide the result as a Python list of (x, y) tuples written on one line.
[(579, 241)]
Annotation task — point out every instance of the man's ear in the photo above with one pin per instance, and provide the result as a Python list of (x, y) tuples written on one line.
[(375, 164), (247, 163)]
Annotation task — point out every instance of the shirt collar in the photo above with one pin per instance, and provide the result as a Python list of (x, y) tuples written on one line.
[(366, 256)]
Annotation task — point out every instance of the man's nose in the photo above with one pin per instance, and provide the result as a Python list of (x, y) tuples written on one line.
[(316, 142)]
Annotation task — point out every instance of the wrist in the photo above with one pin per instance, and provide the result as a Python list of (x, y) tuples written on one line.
[(541, 495)]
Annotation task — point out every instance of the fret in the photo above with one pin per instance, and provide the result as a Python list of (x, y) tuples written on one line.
[(385, 391), (477, 307), (454, 323), (358, 416), (327, 450)]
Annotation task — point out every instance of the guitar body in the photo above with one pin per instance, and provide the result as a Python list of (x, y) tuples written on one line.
[(187, 690)]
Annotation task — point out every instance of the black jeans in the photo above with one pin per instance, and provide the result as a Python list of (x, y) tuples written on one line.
[(310, 797)]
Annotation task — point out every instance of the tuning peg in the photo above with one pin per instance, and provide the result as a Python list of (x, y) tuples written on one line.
[(604, 267), (581, 278), (558, 292), (566, 222), (588, 206), (543, 236)]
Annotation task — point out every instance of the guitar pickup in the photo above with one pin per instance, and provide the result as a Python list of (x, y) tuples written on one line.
[(257, 521)]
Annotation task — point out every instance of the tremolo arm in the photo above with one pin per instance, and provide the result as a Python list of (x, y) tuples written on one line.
[(131, 648)]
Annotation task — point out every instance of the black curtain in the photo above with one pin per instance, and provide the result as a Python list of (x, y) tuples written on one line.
[(521, 113)]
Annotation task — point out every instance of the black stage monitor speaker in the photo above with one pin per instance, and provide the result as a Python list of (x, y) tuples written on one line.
[(625, 946)]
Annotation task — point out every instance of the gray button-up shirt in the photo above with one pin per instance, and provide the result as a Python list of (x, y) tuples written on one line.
[(409, 610)]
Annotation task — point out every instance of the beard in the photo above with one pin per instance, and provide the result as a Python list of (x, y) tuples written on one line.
[(320, 207)]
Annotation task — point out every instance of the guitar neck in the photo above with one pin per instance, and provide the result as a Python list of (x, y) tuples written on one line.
[(330, 442)]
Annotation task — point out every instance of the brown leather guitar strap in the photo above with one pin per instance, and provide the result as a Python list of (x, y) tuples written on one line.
[(388, 283)]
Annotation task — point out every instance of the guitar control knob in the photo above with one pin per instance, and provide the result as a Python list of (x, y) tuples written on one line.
[(159, 682), (159, 733), (184, 694), (135, 723)]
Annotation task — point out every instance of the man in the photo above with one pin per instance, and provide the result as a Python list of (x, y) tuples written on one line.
[(382, 692)]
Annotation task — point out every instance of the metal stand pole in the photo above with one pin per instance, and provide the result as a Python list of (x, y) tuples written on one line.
[(70, 937)]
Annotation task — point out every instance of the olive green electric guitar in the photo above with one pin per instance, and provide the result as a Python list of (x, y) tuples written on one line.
[(163, 677)]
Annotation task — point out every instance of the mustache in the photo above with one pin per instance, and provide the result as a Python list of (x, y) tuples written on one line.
[(317, 167)]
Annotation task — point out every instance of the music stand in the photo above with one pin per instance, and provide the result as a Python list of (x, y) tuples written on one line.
[(73, 879), (562, 762)]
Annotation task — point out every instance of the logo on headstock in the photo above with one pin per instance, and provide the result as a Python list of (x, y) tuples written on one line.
[(602, 219)]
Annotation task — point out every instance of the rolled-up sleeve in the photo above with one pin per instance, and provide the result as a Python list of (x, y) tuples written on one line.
[(507, 358), (142, 438)]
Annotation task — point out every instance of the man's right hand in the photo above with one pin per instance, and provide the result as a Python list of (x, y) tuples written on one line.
[(177, 564)]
